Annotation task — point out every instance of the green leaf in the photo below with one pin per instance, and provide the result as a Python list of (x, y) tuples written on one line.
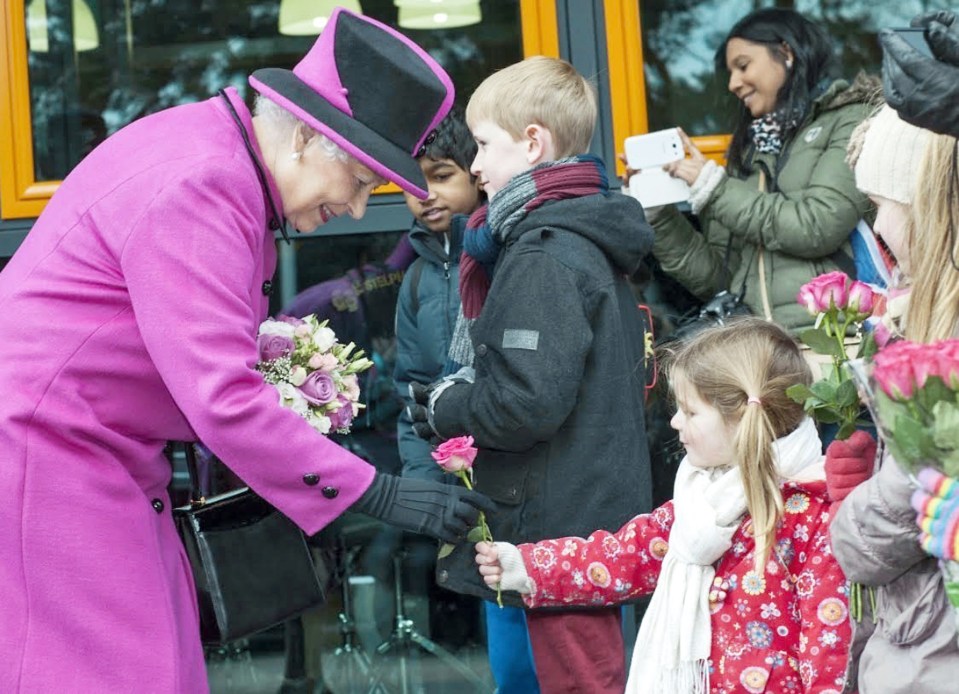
[(819, 342), (824, 390), (846, 394), (945, 424), (799, 392), (826, 415), (845, 431), (868, 346), (933, 392), (445, 550), (475, 534), (908, 438)]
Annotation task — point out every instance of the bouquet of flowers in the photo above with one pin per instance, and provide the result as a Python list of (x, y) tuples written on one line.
[(912, 391), (456, 455), (315, 375), (838, 303)]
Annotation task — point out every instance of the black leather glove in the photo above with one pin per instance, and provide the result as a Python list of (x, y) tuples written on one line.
[(444, 511), (924, 91), (418, 412)]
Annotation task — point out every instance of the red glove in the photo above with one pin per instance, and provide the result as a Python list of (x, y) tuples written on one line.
[(848, 463)]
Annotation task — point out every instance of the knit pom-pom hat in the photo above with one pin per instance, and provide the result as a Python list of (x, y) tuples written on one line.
[(890, 154)]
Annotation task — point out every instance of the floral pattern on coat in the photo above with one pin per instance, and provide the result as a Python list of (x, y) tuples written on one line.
[(784, 630)]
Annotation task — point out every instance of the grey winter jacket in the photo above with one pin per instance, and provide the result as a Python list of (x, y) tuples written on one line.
[(557, 406), (911, 646), (800, 226), (424, 326)]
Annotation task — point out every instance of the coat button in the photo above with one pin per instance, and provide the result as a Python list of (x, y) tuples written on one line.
[(330, 492), (311, 479), (267, 288), (513, 492), (481, 350), (157, 505), (443, 576)]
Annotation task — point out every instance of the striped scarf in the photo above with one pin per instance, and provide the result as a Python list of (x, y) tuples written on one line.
[(489, 227)]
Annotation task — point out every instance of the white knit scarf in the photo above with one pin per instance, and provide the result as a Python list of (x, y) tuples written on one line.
[(674, 639)]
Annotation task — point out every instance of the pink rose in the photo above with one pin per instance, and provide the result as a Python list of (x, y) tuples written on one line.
[(272, 347), (824, 293), (324, 362), (342, 417), (861, 298), (807, 299), (455, 454), (894, 370), (319, 388), (948, 351)]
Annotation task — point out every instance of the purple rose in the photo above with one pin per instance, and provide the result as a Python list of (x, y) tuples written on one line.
[(318, 388), (273, 346), (343, 417)]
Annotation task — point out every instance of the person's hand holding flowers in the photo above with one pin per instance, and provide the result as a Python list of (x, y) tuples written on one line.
[(838, 303), (456, 456)]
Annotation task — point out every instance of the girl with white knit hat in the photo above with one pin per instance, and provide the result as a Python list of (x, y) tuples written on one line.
[(908, 643)]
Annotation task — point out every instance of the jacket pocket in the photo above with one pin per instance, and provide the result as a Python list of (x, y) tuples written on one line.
[(503, 476), (910, 608)]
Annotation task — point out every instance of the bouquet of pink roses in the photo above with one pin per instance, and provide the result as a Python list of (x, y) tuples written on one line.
[(315, 375), (838, 303), (912, 391), (916, 403), (456, 455)]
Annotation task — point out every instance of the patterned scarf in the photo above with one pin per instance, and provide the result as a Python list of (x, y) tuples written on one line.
[(767, 131), (491, 225)]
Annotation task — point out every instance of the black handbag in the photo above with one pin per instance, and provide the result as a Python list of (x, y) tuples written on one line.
[(251, 564)]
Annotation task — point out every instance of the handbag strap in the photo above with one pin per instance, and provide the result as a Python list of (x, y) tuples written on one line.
[(197, 496), (278, 221), (763, 290)]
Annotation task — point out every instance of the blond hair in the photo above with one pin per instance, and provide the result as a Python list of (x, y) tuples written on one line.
[(544, 91), (933, 241), (749, 358)]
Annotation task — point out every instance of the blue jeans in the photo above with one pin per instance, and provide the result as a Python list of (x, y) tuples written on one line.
[(510, 653)]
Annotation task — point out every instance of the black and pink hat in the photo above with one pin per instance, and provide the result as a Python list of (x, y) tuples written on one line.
[(370, 90)]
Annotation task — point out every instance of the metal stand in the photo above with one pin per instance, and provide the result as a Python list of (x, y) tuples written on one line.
[(404, 636), (350, 669)]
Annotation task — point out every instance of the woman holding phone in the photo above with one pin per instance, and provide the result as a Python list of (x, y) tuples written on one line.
[(782, 209)]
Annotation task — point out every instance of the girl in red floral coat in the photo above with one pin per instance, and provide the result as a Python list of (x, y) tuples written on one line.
[(747, 596)]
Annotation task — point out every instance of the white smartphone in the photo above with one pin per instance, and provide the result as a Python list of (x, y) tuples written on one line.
[(654, 187), (654, 149)]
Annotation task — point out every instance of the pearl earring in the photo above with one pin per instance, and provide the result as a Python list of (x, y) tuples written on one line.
[(295, 156), (789, 64)]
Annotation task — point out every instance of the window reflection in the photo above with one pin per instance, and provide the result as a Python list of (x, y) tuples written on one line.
[(681, 36), (152, 54), (353, 281)]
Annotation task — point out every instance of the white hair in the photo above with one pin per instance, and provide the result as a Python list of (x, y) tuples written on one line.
[(283, 123)]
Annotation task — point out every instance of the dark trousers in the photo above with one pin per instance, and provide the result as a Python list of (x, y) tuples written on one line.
[(578, 651)]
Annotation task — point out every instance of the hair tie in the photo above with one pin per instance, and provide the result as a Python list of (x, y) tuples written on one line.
[(752, 399)]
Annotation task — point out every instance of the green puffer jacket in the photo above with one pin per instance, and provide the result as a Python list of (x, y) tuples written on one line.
[(800, 227)]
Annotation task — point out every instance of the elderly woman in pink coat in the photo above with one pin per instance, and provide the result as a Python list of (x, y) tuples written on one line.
[(128, 318)]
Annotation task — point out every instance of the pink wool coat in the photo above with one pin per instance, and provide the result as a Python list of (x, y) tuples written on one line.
[(128, 317), (786, 630)]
